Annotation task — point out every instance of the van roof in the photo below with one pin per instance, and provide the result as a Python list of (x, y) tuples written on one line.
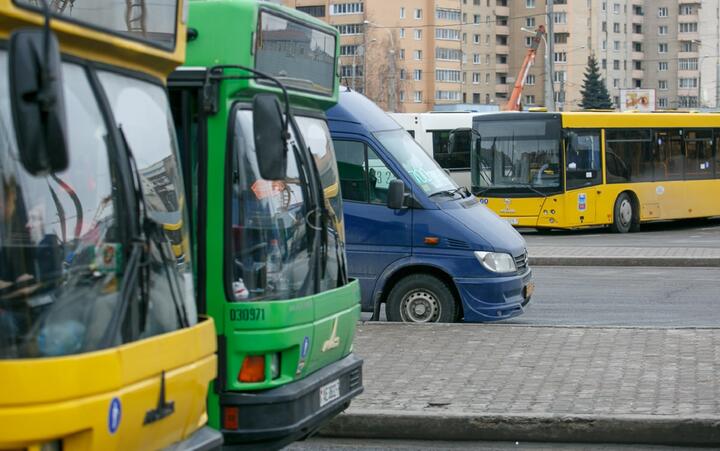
[(355, 107)]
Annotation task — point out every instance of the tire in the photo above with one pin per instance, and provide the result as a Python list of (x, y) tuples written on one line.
[(625, 218), (422, 298)]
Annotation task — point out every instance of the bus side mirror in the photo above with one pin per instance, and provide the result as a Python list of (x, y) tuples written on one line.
[(37, 101), (270, 137), (396, 194)]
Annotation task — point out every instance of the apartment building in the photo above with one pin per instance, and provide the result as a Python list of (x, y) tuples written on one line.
[(413, 55)]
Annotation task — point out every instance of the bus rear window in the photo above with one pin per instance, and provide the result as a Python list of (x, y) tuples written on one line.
[(147, 21), (301, 57)]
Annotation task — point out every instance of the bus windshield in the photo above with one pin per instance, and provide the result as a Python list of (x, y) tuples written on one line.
[(516, 156), (153, 22), (424, 170)]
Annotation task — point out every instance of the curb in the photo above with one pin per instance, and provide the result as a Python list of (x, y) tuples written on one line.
[(444, 426), (693, 262)]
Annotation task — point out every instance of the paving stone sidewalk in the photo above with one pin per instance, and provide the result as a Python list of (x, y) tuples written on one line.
[(623, 256), (558, 370)]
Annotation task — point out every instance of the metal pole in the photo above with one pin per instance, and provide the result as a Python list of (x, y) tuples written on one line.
[(353, 67), (392, 105), (549, 73)]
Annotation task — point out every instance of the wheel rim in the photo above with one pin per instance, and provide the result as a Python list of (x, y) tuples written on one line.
[(625, 212), (420, 306)]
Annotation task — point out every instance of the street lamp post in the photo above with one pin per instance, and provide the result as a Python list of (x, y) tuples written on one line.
[(549, 75), (361, 50)]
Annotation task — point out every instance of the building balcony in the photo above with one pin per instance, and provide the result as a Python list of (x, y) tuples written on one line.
[(502, 11), (638, 56), (502, 88), (638, 73), (694, 36), (503, 30), (637, 37), (500, 67), (502, 49)]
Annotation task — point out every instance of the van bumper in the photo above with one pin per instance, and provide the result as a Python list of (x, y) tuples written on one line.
[(496, 298), (274, 418)]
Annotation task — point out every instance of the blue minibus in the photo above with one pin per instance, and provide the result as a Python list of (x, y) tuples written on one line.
[(416, 241)]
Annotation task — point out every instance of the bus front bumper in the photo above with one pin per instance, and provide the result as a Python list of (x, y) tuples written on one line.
[(494, 299), (204, 439), (274, 418)]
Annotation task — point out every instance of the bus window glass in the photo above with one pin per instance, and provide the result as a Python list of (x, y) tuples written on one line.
[(447, 157), (517, 156), (316, 134), (379, 177), (699, 154), (300, 56), (142, 112), (419, 165), (582, 158), (353, 172), (270, 239), (628, 155), (148, 21), (669, 155), (60, 236)]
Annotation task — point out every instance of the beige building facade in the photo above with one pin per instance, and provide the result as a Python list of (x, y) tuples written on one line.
[(419, 55)]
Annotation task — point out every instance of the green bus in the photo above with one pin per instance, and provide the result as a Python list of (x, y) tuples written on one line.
[(267, 218)]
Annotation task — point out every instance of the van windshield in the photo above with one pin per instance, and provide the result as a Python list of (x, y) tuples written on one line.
[(424, 170)]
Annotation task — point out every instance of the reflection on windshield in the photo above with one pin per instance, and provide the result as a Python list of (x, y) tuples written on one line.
[(151, 21), (60, 244), (518, 155), (424, 170), (317, 137)]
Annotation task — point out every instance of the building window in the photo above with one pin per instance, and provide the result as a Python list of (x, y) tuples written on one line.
[(686, 46), (402, 12), (616, 8), (662, 47), (530, 22), (687, 82), (662, 66), (688, 64), (402, 54), (417, 97), (447, 34), (402, 74), (476, 78), (447, 95), (417, 54), (447, 75), (616, 64), (476, 39), (448, 14), (662, 102), (529, 3), (560, 57), (616, 27), (315, 11), (418, 35), (686, 10), (402, 33), (402, 96), (349, 29), (530, 79), (689, 27), (560, 18), (476, 58), (529, 100), (662, 12), (662, 85), (341, 9), (417, 74), (348, 50), (559, 76), (418, 13), (448, 54), (662, 30)]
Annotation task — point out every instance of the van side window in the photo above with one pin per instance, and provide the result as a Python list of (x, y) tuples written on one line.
[(364, 177)]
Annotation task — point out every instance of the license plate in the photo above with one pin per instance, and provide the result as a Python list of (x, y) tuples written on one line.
[(529, 289), (329, 392), (513, 221)]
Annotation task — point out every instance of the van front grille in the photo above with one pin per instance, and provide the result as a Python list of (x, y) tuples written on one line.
[(521, 262)]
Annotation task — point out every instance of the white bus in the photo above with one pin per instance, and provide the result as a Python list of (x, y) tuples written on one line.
[(432, 130)]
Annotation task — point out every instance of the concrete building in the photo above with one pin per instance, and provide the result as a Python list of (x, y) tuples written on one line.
[(417, 55)]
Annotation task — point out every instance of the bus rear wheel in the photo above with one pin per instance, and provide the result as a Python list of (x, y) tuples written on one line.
[(422, 298), (625, 216)]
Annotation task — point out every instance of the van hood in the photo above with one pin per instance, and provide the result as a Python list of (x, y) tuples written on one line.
[(487, 225)]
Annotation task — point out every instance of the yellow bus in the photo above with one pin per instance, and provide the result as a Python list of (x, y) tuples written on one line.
[(578, 169), (101, 343)]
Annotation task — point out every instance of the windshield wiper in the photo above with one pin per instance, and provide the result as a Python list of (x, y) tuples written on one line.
[(532, 188), (449, 192)]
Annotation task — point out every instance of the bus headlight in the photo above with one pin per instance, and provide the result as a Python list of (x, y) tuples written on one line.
[(496, 261)]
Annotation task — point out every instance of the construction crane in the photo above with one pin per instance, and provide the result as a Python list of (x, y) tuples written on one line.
[(513, 104)]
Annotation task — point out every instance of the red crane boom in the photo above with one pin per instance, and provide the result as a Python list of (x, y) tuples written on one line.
[(513, 104)]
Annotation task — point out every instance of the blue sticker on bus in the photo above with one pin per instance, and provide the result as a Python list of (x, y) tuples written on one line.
[(114, 415), (582, 202), (305, 347)]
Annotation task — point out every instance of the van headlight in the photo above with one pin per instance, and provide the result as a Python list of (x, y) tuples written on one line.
[(496, 261)]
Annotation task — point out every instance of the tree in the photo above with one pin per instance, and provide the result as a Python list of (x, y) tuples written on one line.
[(594, 92)]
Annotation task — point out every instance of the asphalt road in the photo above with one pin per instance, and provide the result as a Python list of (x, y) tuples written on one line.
[(327, 444), (622, 296), (703, 233)]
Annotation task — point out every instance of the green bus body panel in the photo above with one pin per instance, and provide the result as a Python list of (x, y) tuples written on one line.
[(226, 29), (284, 326)]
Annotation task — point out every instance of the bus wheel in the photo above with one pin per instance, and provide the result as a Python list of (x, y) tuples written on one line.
[(422, 298), (623, 215)]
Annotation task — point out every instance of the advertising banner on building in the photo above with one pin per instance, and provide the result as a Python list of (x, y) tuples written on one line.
[(637, 99)]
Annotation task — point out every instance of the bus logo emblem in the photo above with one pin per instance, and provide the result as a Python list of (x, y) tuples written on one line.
[(114, 415), (334, 341), (507, 208), (582, 202)]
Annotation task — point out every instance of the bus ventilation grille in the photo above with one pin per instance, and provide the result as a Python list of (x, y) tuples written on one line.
[(356, 378), (457, 244)]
